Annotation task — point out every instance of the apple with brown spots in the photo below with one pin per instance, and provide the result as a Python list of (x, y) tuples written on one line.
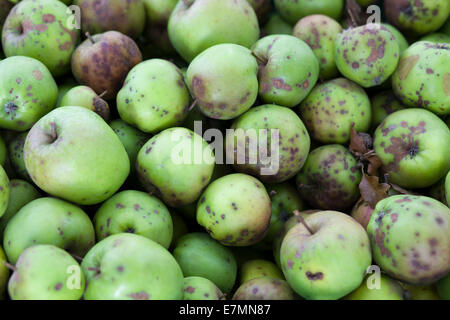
[(288, 69), (329, 179), (198, 288), (98, 16), (422, 79), (332, 108), (54, 281), (410, 238), (413, 146), (83, 96), (26, 93), (264, 288), (38, 29), (103, 61), (235, 210)]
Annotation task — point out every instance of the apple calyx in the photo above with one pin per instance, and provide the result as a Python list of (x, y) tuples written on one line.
[(10, 107), (53, 134), (302, 221)]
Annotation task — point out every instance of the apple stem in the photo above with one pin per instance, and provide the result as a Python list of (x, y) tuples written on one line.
[(260, 60), (272, 193), (302, 221), (10, 266), (101, 95), (193, 104), (53, 133), (88, 35)]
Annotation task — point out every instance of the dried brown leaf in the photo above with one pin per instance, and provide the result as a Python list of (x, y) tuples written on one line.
[(372, 191)]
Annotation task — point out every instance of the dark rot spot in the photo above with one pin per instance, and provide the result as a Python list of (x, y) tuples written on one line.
[(279, 84), (430, 71), (439, 221), (290, 263), (314, 276), (255, 290), (58, 286), (139, 296), (305, 84), (119, 206), (355, 65), (120, 268), (190, 289), (48, 18), (208, 209), (198, 87)]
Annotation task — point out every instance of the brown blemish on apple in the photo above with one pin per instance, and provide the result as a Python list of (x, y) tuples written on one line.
[(314, 276), (405, 66), (37, 74), (446, 84), (142, 295), (48, 18)]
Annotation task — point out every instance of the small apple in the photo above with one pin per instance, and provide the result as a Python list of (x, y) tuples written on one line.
[(43, 272), (83, 96), (258, 268), (48, 221), (387, 289), (198, 288), (26, 93), (134, 212)]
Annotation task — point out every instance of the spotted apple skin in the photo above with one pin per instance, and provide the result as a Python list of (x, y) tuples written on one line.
[(320, 33), (293, 143), (288, 69), (367, 55), (417, 17), (332, 108), (422, 79), (330, 178), (198, 288), (294, 10), (410, 238), (383, 104), (235, 210), (26, 94), (264, 288), (38, 29), (407, 146)]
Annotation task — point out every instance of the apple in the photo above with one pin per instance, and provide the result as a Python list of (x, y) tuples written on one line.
[(48, 221), (127, 266), (43, 272), (83, 96), (72, 153), (389, 289), (37, 29)]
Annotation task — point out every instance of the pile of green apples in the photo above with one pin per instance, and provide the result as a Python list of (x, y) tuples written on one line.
[(94, 205)]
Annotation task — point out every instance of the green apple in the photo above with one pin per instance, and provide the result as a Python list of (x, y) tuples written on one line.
[(26, 93), (48, 221), (105, 75), (176, 164), (199, 255), (417, 18), (134, 212), (264, 288), (387, 289), (223, 80), (99, 16), (5, 190), (447, 187), (73, 154), (326, 256), (154, 96), (443, 287), (288, 69), (276, 25), (127, 266), (383, 104), (196, 25), (4, 274), (63, 87), (413, 146), (422, 79), (410, 238), (287, 139), (83, 96), (46, 272), (320, 33), (20, 194), (258, 268), (414, 292), (180, 228), (436, 38), (17, 160), (131, 138), (235, 210), (198, 288), (37, 29), (293, 10)]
